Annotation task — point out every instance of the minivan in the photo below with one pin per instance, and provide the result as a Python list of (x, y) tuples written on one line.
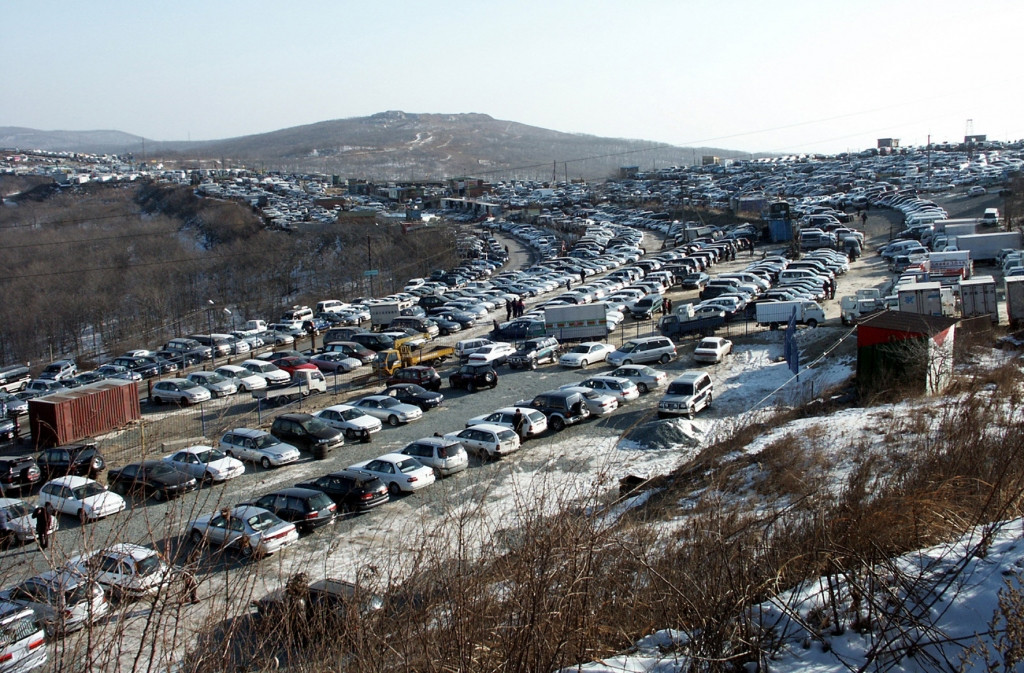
[(297, 314), (422, 325), (643, 350), (991, 216), (14, 378)]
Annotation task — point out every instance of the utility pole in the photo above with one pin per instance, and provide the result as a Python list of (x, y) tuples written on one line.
[(369, 262)]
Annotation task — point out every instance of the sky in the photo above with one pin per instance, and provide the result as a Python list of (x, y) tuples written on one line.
[(767, 76)]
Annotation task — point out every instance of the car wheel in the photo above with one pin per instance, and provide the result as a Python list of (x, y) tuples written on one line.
[(557, 423), (350, 433), (437, 474), (195, 537), (392, 420), (119, 488), (665, 359), (710, 398), (533, 364), (245, 547), (471, 387), (642, 387), (690, 413), (491, 379), (207, 477), (393, 489), (265, 463), (159, 495), (812, 323), (627, 362), (583, 364)]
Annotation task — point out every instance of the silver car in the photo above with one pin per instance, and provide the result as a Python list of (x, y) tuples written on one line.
[(62, 600), (258, 446), (388, 409), (217, 384), (249, 530), (443, 455)]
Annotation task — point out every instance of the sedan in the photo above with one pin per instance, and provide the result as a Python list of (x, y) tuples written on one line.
[(410, 393), (598, 404), (206, 463), (487, 440), (82, 497), (125, 570), (621, 389), (219, 386), (334, 362), (258, 446), (62, 601), (151, 477), (179, 391), (644, 377), (398, 471), (111, 371), (242, 377), (444, 456), (712, 349), (252, 531), (388, 409), (353, 422), (492, 354), (294, 363), (19, 524), (586, 353)]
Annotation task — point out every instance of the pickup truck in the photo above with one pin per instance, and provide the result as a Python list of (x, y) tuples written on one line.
[(304, 382), (391, 360), (683, 321)]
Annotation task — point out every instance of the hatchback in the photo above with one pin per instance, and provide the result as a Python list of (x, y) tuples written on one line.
[(351, 491), (533, 422), (20, 525), (443, 455), (307, 508), (24, 644), (258, 446), (487, 440)]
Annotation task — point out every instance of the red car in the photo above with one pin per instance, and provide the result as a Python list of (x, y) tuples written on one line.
[(293, 363)]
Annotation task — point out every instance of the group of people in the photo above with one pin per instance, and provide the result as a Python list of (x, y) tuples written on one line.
[(515, 309), (829, 287), (666, 305)]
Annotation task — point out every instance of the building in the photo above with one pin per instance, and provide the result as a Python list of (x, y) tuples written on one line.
[(901, 350)]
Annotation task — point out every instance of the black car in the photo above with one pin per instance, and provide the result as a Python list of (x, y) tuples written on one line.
[(418, 396), (165, 365), (473, 377), (353, 491), (180, 359), (81, 460), (307, 508), (18, 473), (426, 377), (151, 478), (446, 327), (373, 341), (144, 368), (535, 352), (307, 432), (6, 427)]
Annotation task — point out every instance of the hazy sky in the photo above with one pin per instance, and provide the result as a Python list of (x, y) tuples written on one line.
[(772, 76)]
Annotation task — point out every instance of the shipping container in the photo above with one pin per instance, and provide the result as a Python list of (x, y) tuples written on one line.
[(978, 298), (923, 298), (88, 411), (1015, 300)]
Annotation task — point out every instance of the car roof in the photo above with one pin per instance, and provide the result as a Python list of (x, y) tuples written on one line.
[(690, 377), (71, 480), (248, 432), (7, 502), (493, 427), (196, 448), (135, 551), (296, 491)]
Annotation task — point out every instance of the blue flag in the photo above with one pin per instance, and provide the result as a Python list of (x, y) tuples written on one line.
[(789, 348)]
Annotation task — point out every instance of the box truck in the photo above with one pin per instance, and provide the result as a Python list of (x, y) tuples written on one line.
[(923, 298), (778, 313), (978, 297), (986, 247), (1015, 300), (383, 312), (586, 321)]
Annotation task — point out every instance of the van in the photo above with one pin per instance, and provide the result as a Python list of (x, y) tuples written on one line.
[(422, 325), (643, 350), (466, 347), (330, 306), (14, 378), (991, 216), (297, 314)]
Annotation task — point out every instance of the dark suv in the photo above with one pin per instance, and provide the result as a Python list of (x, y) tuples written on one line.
[(307, 432), (473, 377), (18, 473), (81, 460), (307, 508), (426, 377), (353, 491), (373, 341), (562, 407), (534, 352)]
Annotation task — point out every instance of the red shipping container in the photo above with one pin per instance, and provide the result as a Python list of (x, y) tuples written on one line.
[(83, 412)]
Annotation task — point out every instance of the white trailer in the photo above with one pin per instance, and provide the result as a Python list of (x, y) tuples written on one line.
[(778, 313), (986, 247), (584, 321), (923, 298), (383, 312), (978, 298)]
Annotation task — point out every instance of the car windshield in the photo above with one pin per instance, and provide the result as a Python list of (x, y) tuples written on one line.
[(16, 510), (88, 490), (680, 389), (79, 593), (214, 377), (390, 403), (628, 347), (314, 425), (350, 414), (161, 469), (506, 435), (261, 521), (267, 441), (147, 565), (209, 455)]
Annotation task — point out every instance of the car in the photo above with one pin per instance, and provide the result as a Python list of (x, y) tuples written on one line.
[(18, 473), (351, 491), (487, 440), (219, 386), (294, 363), (410, 393), (351, 349), (269, 371), (62, 601), (325, 606), (83, 460), (622, 389), (977, 191), (534, 352), (399, 472), (335, 362), (712, 349), (426, 377), (249, 530), (206, 463), (44, 387), (307, 508), (645, 378), (80, 497), (151, 478), (561, 407), (643, 350), (125, 570), (257, 446), (492, 354), (473, 377), (24, 646), (388, 409), (15, 405), (597, 403), (242, 378), (532, 423), (686, 395), (308, 433), (18, 524), (355, 423), (444, 456), (179, 391), (58, 370), (114, 371), (164, 365), (695, 281), (84, 379), (584, 354)]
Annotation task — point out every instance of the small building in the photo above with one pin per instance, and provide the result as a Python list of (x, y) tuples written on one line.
[(891, 143), (898, 349), (710, 160)]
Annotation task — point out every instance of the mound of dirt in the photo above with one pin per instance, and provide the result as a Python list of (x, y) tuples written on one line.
[(661, 435)]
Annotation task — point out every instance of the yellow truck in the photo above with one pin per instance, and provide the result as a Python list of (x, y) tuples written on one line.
[(407, 355)]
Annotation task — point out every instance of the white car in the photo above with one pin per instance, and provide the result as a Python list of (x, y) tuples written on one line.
[(598, 404), (206, 463), (398, 471), (243, 378), (268, 370), (534, 422), (585, 354), (63, 601), (388, 409), (258, 446), (444, 456), (78, 496), (355, 423), (621, 389), (219, 386), (252, 531), (179, 391), (20, 525), (712, 349), (493, 354), (487, 440), (645, 378), (126, 570)]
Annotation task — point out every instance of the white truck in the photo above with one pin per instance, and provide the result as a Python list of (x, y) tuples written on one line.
[(778, 313), (304, 382), (254, 327), (584, 321), (978, 298), (855, 306), (383, 312), (926, 298), (986, 247), (953, 263)]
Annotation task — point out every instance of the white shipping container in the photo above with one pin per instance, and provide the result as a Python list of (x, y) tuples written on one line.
[(978, 298)]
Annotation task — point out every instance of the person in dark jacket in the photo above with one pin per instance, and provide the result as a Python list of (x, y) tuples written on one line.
[(43, 519)]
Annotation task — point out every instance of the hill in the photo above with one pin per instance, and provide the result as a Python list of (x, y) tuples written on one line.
[(395, 145)]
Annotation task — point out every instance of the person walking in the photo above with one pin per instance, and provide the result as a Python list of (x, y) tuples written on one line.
[(568, 284), (863, 219), (509, 308), (517, 422), (583, 275), (43, 519)]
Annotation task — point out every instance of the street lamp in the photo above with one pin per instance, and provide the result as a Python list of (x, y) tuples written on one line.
[(228, 312)]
